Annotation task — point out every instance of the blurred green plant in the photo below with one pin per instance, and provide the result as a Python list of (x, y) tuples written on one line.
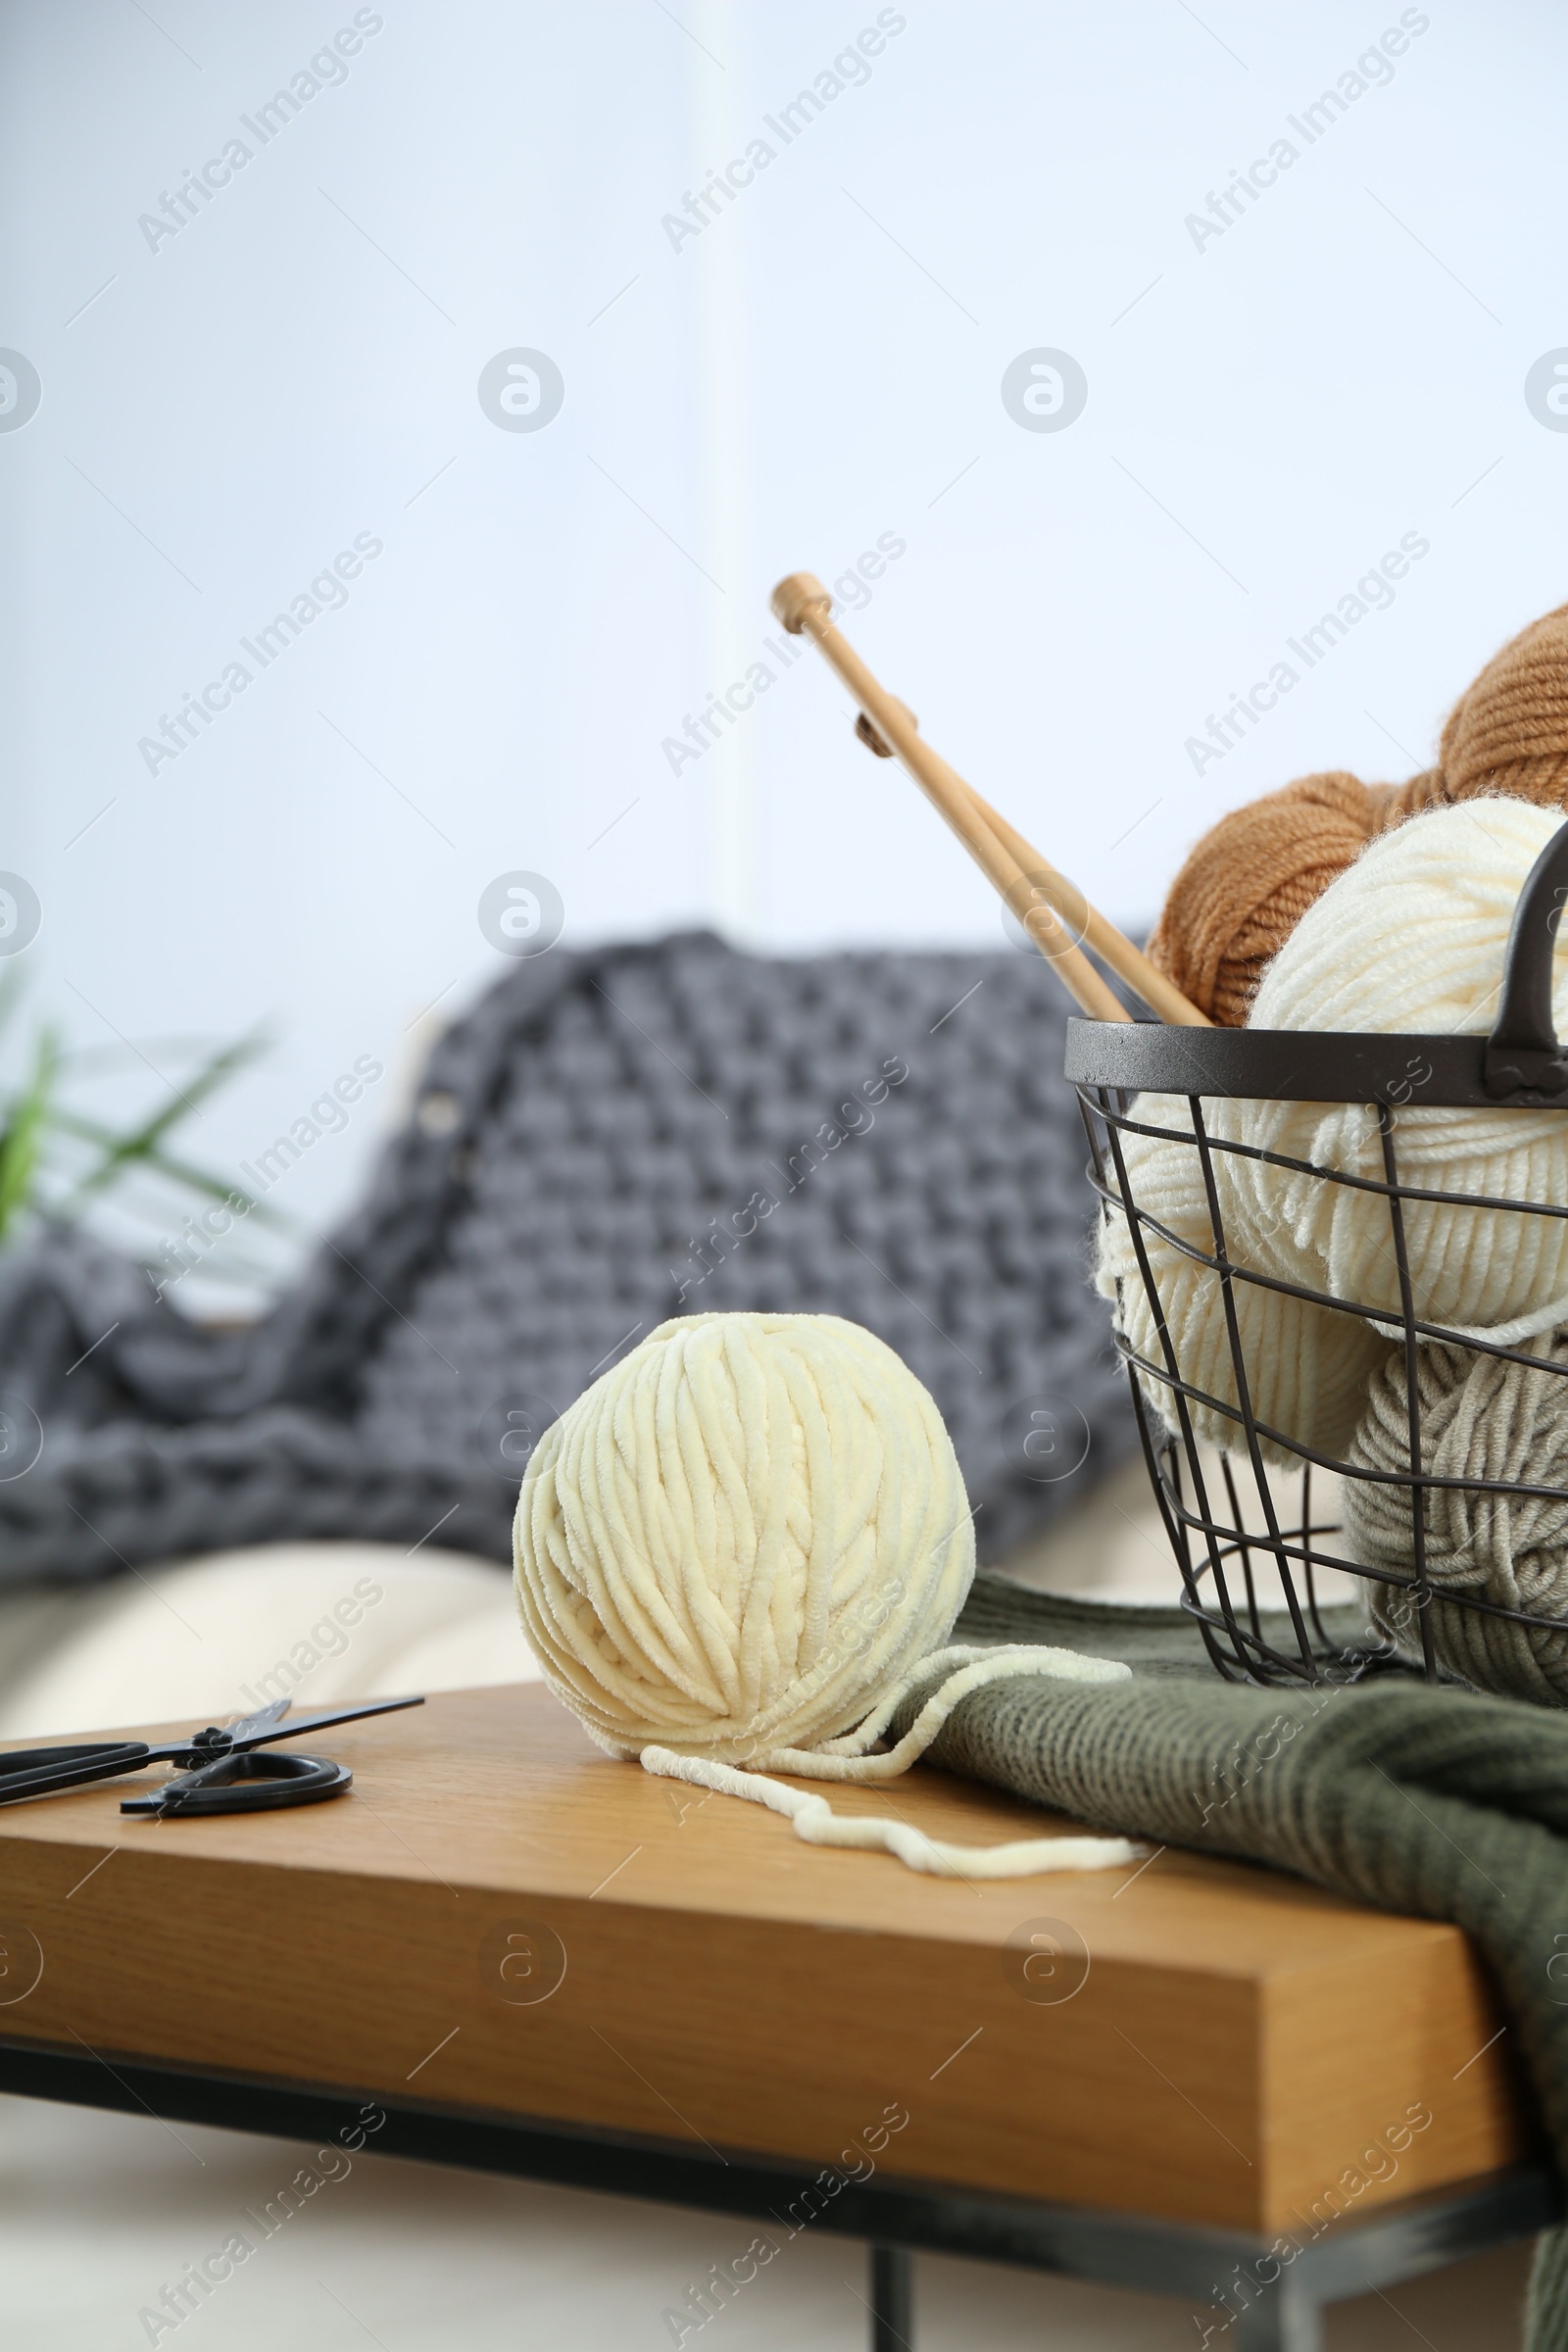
[(58, 1160)]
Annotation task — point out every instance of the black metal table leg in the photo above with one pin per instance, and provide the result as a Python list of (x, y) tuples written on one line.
[(1283, 2319), (892, 2299)]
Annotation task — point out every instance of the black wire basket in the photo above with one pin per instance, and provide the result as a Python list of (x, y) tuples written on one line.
[(1248, 1513)]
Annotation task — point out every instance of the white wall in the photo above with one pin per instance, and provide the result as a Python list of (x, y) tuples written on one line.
[(819, 366)]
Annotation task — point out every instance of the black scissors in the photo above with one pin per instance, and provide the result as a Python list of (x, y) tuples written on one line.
[(224, 1773)]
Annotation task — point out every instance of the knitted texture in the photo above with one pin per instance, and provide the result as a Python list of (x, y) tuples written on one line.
[(607, 1140), (1433, 1802), (1481, 1419)]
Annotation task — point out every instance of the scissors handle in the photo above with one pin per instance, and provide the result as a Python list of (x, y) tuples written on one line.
[(34, 1771), (245, 1782), (37, 1771)]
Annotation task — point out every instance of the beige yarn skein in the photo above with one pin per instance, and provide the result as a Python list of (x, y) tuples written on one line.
[(1481, 1418), (741, 1548)]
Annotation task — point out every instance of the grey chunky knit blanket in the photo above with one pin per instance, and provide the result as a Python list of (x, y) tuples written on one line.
[(610, 1137)]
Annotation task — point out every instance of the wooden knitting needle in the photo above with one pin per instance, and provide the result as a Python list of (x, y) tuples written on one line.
[(802, 603), (1015, 869), (1082, 919)]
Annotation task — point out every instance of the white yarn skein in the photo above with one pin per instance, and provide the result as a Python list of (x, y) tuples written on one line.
[(1411, 937), (1306, 1366), (741, 1548)]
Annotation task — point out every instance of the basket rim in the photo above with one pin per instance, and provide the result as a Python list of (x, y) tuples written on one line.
[(1393, 1068), (1521, 1064)]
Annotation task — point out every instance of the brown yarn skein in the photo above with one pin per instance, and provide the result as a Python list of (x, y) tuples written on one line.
[(1508, 732), (1251, 879), (1481, 1418), (1254, 875)]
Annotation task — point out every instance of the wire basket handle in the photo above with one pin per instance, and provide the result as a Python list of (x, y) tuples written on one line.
[(1523, 1055)]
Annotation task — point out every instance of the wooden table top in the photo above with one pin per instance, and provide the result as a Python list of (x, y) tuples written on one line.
[(497, 1916)]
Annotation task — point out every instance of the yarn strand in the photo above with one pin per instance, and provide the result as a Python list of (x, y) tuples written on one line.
[(813, 1819), (965, 1669)]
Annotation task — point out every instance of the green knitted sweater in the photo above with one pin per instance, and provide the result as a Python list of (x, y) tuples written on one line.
[(1435, 1801)]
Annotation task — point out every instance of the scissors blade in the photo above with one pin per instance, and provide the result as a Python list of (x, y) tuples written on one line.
[(261, 1721), (244, 1734), (314, 1723)]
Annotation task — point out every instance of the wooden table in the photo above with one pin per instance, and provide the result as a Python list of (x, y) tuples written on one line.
[(1196, 2076)]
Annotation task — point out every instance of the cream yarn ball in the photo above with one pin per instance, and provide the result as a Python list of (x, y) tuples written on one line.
[(741, 1548), (739, 1533), (1411, 939), (1482, 1418)]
